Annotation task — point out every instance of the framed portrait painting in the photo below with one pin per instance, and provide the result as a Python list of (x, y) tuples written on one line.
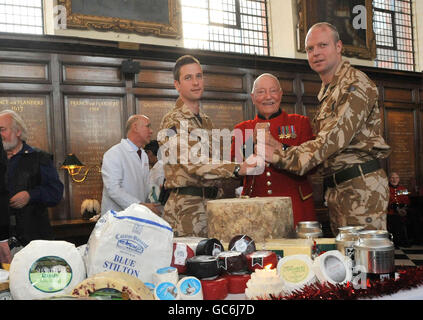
[(161, 18), (352, 18)]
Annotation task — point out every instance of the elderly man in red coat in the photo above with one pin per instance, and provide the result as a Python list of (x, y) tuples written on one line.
[(290, 129)]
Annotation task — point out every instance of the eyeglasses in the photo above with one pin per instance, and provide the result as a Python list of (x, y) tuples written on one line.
[(263, 92)]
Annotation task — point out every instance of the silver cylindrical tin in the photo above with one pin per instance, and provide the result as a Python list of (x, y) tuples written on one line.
[(309, 229), (345, 241), (374, 252)]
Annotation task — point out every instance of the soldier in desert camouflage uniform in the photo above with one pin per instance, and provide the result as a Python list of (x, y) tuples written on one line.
[(348, 143), (192, 185)]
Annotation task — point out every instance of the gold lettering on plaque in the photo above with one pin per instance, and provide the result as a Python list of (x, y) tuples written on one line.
[(401, 140), (224, 116), (33, 111), (94, 125)]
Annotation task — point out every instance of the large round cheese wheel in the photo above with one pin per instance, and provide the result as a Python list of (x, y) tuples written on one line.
[(203, 267), (242, 243), (261, 218), (233, 262), (215, 289), (209, 247), (43, 269), (117, 284)]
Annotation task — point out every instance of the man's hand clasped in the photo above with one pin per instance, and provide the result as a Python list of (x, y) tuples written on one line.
[(265, 143)]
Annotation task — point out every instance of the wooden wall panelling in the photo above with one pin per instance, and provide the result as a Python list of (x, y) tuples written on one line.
[(401, 137), (224, 114), (156, 78), (85, 74), (398, 95), (96, 108), (155, 109), (310, 85), (154, 91), (62, 210), (24, 71), (82, 70), (289, 97), (93, 125)]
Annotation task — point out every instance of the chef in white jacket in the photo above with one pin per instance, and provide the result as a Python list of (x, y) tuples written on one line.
[(125, 169)]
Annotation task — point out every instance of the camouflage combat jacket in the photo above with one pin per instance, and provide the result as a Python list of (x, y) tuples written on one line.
[(184, 172), (347, 127)]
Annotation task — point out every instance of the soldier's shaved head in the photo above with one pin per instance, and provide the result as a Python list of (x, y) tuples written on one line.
[(325, 25)]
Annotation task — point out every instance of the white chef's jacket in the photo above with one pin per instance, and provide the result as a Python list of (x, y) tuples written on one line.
[(125, 177), (157, 177)]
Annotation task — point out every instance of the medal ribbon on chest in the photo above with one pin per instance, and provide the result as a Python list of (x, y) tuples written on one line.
[(287, 132)]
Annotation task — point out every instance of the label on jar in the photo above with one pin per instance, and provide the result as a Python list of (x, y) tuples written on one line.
[(294, 271)]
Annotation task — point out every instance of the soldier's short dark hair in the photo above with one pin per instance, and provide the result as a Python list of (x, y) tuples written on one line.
[(184, 60), (153, 146)]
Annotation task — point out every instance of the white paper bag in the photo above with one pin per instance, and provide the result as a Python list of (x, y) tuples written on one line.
[(135, 241)]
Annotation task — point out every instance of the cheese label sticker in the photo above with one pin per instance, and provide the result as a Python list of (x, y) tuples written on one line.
[(190, 287), (294, 271), (50, 274), (166, 291), (180, 254)]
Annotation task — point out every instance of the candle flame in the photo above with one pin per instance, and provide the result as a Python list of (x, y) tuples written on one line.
[(268, 267)]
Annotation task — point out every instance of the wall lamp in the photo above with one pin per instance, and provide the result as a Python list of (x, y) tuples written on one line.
[(74, 167)]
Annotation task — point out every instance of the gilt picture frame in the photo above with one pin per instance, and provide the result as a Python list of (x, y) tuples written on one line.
[(161, 18), (358, 41)]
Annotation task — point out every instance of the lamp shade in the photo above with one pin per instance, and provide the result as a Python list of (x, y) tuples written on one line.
[(71, 161)]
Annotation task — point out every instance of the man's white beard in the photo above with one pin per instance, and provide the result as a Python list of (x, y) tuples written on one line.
[(11, 144)]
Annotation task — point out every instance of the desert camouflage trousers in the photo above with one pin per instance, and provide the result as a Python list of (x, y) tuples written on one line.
[(186, 214), (360, 201)]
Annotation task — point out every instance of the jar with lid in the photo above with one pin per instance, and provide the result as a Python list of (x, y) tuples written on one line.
[(345, 240), (374, 253)]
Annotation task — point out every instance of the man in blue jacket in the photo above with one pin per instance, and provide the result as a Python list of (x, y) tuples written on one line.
[(32, 181)]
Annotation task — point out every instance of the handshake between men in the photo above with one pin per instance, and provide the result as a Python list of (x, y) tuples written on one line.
[(264, 147)]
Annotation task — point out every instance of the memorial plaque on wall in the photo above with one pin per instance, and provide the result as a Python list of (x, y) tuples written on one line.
[(93, 126), (224, 115), (33, 111), (155, 110), (401, 139)]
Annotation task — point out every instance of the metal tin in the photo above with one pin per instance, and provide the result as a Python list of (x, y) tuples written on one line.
[(346, 239), (309, 229), (375, 252)]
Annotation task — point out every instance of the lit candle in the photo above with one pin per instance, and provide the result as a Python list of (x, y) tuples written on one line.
[(265, 273)]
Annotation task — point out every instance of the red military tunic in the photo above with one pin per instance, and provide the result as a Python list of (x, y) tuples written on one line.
[(398, 196), (290, 129)]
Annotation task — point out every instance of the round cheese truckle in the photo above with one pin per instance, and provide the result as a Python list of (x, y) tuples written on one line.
[(43, 269)]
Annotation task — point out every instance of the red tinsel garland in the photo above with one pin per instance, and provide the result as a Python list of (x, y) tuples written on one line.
[(409, 277)]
